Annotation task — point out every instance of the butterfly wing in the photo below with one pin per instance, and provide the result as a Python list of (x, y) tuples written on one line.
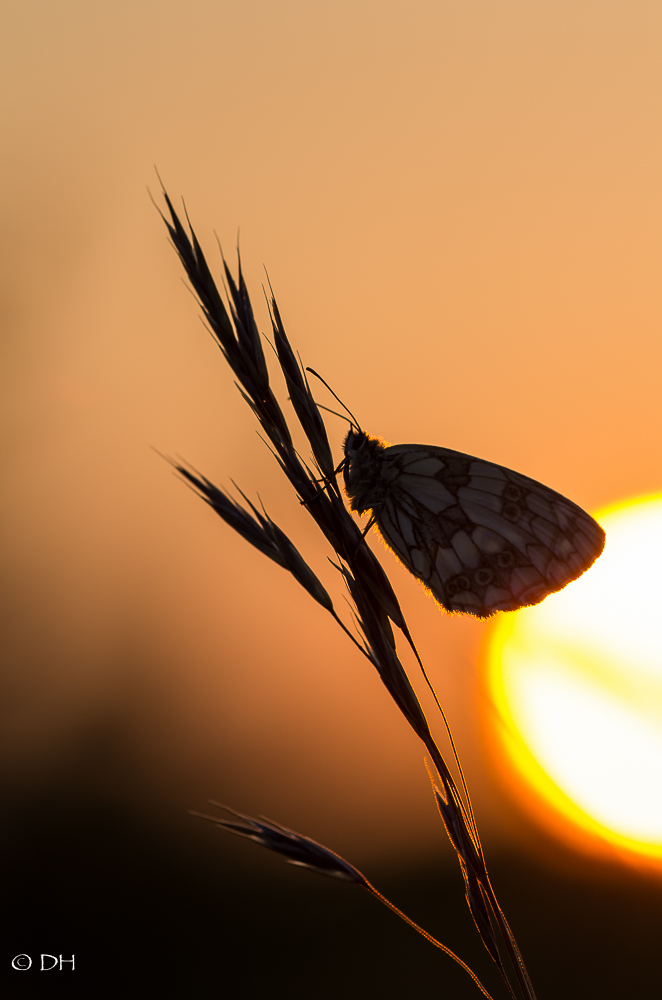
[(481, 537)]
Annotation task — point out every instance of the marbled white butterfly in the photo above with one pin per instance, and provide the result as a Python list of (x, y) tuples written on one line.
[(480, 537)]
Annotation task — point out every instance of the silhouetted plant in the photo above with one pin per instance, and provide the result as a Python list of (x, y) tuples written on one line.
[(374, 601)]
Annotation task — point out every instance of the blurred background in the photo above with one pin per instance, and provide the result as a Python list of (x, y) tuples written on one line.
[(458, 205)]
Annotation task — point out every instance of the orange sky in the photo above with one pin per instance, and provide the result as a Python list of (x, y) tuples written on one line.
[(459, 208)]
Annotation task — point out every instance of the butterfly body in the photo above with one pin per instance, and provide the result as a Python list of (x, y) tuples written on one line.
[(480, 537)]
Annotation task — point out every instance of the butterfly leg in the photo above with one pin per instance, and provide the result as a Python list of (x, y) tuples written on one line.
[(330, 485), (320, 493), (373, 520)]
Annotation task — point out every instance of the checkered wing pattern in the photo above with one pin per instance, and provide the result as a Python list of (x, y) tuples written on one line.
[(480, 537)]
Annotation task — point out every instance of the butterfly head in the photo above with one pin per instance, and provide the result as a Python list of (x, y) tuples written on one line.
[(362, 469)]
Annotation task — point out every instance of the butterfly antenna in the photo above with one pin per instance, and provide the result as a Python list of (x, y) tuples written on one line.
[(335, 413), (346, 408)]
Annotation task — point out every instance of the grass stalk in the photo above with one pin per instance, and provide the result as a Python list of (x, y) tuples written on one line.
[(375, 605)]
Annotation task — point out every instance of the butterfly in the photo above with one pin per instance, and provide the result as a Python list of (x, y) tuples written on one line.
[(480, 537)]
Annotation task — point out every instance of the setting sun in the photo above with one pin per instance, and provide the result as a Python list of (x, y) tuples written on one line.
[(577, 687)]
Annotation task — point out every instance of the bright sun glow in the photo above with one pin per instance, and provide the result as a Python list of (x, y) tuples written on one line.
[(577, 682)]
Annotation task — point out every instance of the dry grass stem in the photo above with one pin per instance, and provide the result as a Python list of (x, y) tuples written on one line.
[(306, 853), (375, 605)]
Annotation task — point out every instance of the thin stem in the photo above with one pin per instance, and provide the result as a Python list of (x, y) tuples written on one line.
[(511, 944), (349, 634), (471, 815), (428, 937)]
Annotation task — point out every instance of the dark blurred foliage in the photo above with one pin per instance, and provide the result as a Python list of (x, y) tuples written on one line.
[(151, 900)]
